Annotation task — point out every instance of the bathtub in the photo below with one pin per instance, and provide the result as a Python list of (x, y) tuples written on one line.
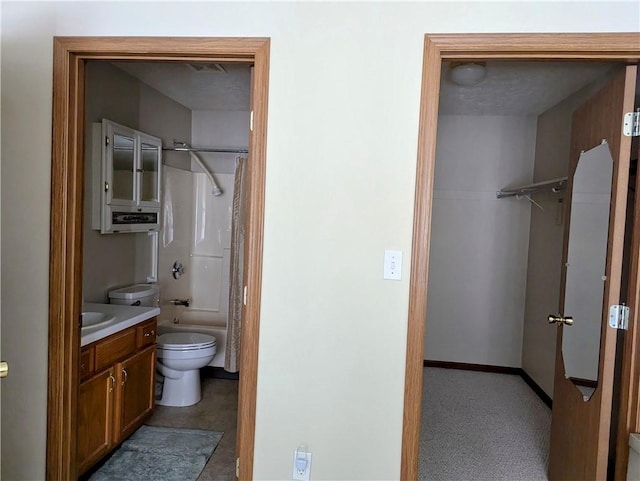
[(219, 332)]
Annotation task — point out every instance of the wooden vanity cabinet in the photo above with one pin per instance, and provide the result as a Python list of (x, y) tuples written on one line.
[(117, 390)]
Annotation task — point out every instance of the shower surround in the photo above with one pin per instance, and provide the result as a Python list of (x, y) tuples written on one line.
[(196, 233)]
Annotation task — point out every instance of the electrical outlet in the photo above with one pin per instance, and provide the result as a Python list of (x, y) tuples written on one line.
[(301, 465)]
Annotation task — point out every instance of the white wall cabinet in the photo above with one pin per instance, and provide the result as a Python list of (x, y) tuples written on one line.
[(126, 179)]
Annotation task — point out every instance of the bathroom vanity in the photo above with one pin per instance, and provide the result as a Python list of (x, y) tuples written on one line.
[(116, 381)]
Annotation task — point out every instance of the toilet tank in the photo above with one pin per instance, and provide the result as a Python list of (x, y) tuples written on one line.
[(146, 295)]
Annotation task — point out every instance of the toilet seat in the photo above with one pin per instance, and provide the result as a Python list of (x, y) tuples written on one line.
[(185, 341)]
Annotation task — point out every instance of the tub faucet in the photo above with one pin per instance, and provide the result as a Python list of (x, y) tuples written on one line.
[(180, 302)]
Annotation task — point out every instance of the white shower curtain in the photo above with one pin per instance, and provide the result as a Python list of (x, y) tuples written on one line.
[(236, 292)]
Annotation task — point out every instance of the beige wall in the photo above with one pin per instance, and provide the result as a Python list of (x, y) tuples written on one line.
[(545, 241), (165, 118), (344, 93), (108, 260)]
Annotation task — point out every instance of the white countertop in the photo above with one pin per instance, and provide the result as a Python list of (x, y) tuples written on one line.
[(125, 316)]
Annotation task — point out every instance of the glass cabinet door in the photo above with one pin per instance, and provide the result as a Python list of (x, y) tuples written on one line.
[(123, 167), (120, 166), (149, 171)]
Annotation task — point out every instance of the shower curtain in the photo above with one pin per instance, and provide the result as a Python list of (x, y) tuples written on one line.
[(236, 292)]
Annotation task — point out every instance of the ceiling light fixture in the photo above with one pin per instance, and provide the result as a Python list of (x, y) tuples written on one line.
[(468, 73)]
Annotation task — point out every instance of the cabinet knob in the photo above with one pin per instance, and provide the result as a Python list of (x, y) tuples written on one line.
[(106, 186), (150, 333), (4, 369)]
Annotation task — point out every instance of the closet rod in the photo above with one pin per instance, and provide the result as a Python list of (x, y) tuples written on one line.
[(193, 149), (553, 185)]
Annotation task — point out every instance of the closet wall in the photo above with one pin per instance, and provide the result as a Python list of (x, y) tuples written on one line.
[(479, 244), (113, 260)]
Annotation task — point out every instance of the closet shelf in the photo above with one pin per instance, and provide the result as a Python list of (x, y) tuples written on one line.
[(553, 185)]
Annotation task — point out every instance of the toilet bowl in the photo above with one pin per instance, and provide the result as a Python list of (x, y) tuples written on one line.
[(180, 355)]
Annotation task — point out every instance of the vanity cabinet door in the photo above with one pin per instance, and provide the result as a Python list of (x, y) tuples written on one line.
[(135, 399), (95, 418)]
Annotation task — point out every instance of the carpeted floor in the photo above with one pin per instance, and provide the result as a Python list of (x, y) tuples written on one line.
[(479, 426)]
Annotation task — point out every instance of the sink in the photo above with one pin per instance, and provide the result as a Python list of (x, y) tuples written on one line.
[(93, 318), (102, 320)]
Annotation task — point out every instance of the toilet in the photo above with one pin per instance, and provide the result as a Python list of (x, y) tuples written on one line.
[(179, 357)]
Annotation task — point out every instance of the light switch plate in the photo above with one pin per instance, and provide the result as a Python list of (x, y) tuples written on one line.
[(392, 265)]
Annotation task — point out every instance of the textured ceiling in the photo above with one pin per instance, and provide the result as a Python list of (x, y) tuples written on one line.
[(510, 88), (517, 88), (204, 90)]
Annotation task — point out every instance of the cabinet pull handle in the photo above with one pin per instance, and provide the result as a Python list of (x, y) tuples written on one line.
[(124, 373), (149, 334), (113, 382)]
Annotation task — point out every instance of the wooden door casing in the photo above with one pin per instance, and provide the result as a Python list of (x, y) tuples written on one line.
[(580, 430), (67, 178)]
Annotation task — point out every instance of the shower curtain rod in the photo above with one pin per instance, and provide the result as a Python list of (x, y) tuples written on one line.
[(193, 149)]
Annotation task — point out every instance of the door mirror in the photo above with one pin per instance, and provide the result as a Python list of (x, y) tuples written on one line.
[(586, 267)]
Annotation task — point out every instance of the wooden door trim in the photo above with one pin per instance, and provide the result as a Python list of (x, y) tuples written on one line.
[(65, 277), (587, 47)]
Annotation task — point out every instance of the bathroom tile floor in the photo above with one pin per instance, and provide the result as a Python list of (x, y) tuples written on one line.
[(217, 410)]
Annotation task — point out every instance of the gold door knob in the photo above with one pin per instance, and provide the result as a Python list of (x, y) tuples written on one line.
[(4, 369), (568, 320)]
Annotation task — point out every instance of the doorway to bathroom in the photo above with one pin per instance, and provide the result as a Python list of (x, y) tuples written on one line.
[(76, 60), (439, 50), (200, 114)]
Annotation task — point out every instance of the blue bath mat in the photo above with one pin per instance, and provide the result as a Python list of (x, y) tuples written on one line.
[(155, 453)]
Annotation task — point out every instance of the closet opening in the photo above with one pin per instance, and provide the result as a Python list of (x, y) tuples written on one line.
[(446, 264), (499, 197)]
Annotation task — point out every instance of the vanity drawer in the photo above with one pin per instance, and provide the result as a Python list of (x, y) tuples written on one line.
[(115, 348), (87, 362), (146, 333)]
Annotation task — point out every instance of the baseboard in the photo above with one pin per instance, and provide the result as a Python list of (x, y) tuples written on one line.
[(537, 389), (218, 373), (518, 371), (473, 367)]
